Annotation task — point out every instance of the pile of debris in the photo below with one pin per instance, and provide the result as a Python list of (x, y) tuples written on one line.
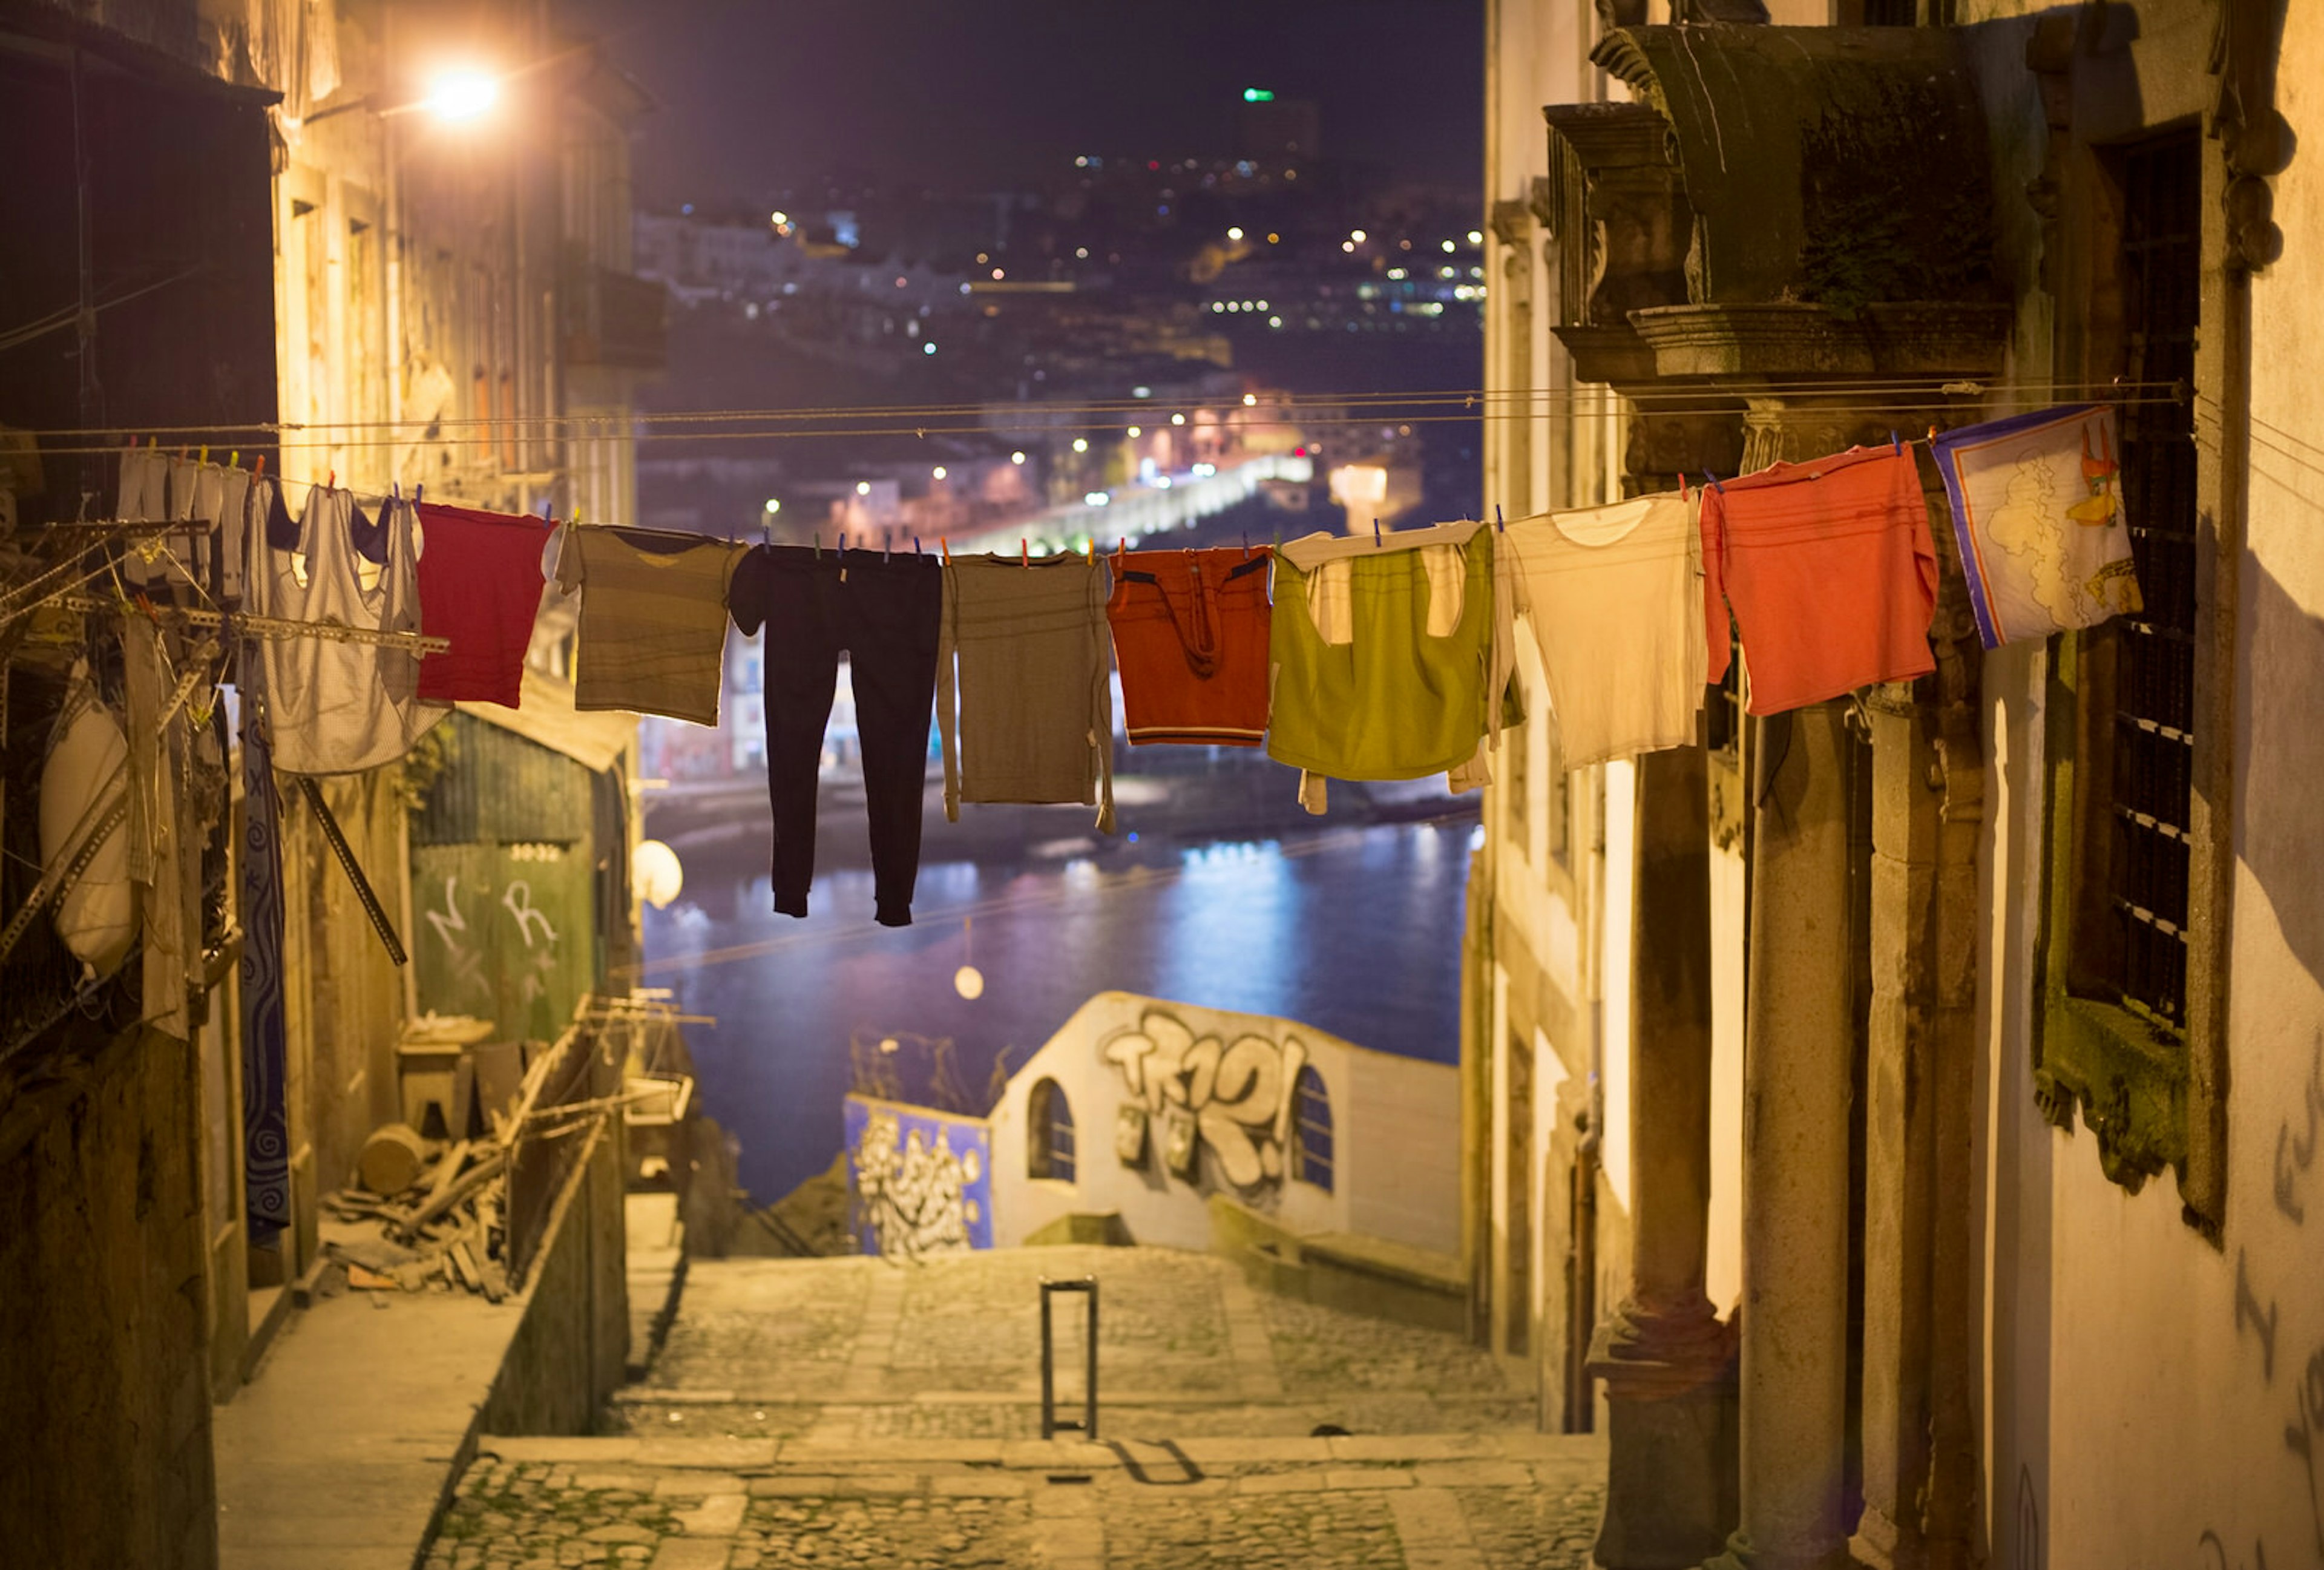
[(424, 1217)]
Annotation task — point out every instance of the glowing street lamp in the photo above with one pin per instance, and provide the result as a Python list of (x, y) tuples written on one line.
[(462, 94)]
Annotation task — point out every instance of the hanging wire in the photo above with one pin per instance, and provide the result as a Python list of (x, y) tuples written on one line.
[(1593, 398)]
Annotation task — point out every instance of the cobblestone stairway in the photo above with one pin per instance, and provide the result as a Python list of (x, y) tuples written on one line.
[(842, 1412)]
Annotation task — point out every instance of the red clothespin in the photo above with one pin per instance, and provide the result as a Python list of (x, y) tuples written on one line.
[(259, 467), (1682, 487), (1123, 550), (330, 479), (944, 545), (1024, 551), (1932, 436)]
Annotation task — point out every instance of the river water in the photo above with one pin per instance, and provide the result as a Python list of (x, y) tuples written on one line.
[(1354, 930)]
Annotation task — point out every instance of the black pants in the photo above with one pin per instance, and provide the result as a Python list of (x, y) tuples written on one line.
[(886, 615)]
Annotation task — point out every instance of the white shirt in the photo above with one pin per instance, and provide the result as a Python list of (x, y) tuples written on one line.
[(1614, 596)]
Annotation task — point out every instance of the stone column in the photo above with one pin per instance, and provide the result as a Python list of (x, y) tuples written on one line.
[(1664, 1353), (1920, 1444), (1797, 1046)]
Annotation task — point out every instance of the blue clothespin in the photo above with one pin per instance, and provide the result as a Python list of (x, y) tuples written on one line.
[(1894, 443), (1712, 481), (1376, 534), (915, 545), (1498, 527), (416, 492)]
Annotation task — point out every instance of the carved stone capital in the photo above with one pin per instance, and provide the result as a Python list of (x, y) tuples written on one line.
[(1794, 339)]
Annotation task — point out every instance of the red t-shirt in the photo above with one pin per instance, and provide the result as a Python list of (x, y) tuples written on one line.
[(1831, 572), (480, 585)]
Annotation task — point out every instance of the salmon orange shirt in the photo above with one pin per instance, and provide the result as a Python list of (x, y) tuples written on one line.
[(1830, 571)]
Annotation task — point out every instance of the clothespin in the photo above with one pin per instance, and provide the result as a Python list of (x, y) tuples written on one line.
[(1895, 444), (1498, 527), (331, 479), (206, 453), (1376, 534), (1932, 436), (234, 458), (1123, 550), (818, 545), (944, 545), (182, 455), (886, 546), (1681, 485), (915, 545), (1024, 552), (1712, 481), (1246, 545), (151, 442), (258, 468)]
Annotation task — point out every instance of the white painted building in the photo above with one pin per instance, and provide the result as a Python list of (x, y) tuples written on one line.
[(1145, 1108)]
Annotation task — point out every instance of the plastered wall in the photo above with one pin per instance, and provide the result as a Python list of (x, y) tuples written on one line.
[(1395, 1129)]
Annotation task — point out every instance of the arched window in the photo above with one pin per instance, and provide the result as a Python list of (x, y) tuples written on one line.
[(1049, 1132), (1312, 1108)]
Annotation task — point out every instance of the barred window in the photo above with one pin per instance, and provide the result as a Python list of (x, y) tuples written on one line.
[(1049, 1130), (1312, 1107), (2144, 957)]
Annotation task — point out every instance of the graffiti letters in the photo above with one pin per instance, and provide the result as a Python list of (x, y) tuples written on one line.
[(2295, 1157), (451, 927), (2248, 1313), (1234, 1097), (517, 900)]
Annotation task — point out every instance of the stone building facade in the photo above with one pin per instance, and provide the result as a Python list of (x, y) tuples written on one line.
[(1969, 1061), (276, 228)]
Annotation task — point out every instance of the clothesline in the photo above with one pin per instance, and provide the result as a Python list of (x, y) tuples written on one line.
[(1322, 402), (921, 431)]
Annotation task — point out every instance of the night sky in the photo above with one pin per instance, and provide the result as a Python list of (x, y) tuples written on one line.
[(760, 96)]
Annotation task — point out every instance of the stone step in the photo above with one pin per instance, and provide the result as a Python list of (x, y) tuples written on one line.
[(749, 1457)]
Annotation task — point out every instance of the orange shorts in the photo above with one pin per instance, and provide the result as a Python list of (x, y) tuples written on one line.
[(1190, 630)]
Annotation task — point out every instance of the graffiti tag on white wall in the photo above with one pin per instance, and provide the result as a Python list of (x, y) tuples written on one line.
[(1237, 1094)]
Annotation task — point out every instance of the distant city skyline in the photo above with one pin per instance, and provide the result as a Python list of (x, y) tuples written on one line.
[(758, 95)]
